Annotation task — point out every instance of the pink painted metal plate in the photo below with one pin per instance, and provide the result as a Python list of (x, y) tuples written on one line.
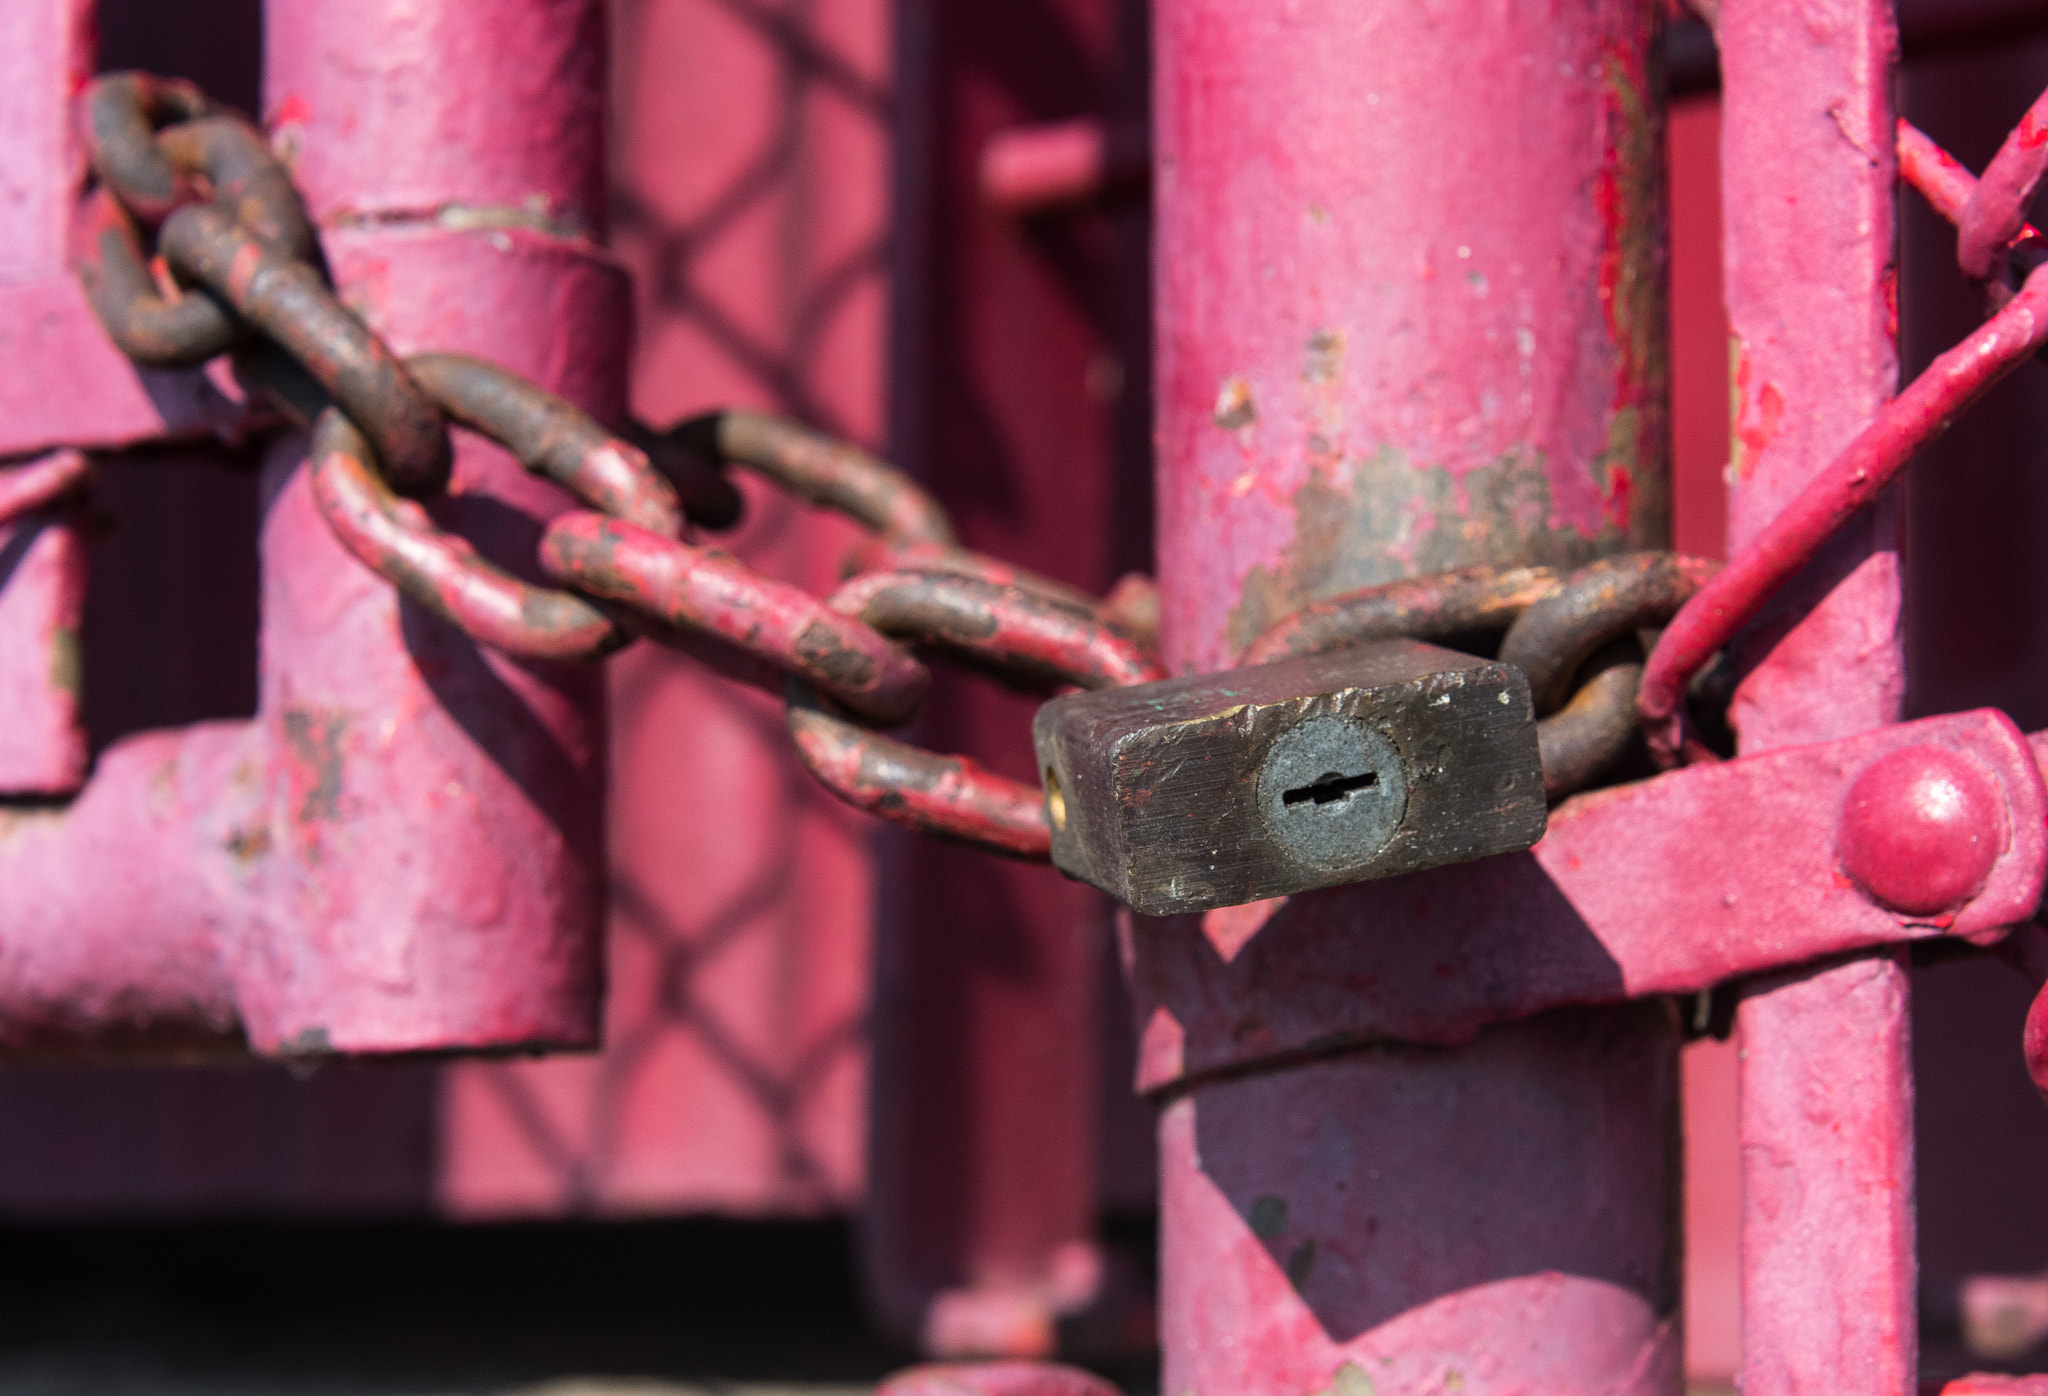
[(1667, 887)]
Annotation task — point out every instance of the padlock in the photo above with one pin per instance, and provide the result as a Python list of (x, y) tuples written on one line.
[(1227, 788)]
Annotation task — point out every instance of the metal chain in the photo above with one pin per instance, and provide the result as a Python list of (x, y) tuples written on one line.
[(240, 272), (1573, 636)]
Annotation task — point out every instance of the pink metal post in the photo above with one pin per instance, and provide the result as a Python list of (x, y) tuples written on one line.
[(984, 1117), (400, 852), (1410, 317), (751, 189), (1826, 1077)]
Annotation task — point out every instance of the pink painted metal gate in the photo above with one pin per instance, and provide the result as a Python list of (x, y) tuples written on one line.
[(1415, 1133)]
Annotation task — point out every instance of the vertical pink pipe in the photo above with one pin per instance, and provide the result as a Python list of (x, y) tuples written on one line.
[(1410, 317), (455, 113), (45, 53), (1699, 522), (751, 201), (1411, 311), (434, 868), (1826, 1084), (45, 49), (986, 1106)]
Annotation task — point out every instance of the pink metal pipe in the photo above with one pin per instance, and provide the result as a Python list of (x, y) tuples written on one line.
[(1943, 181), (400, 852), (1997, 211), (1826, 1086), (985, 1122), (1862, 472), (1410, 317)]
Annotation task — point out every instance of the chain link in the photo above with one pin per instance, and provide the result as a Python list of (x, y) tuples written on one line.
[(1021, 637), (1573, 636), (237, 269)]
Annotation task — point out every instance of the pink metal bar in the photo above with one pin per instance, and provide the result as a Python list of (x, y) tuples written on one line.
[(400, 852), (1997, 211), (1862, 472), (1029, 170), (1826, 1089), (1668, 887), (1410, 317), (42, 600)]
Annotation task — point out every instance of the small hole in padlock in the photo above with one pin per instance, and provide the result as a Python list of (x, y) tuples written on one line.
[(1055, 802), (1332, 787)]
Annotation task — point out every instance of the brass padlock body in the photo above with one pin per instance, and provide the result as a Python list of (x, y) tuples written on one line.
[(1228, 788)]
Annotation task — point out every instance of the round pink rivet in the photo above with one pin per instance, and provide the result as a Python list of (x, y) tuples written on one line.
[(1922, 829)]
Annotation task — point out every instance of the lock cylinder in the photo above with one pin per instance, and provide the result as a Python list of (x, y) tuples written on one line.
[(1227, 788)]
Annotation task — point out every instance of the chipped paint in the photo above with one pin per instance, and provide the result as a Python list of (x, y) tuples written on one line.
[(67, 662), (1633, 471), (1757, 410), (313, 766), (1235, 408)]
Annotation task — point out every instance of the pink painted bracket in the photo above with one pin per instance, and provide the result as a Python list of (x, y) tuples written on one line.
[(1670, 886)]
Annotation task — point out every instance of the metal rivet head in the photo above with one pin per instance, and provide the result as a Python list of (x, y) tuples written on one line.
[(1922, 829)]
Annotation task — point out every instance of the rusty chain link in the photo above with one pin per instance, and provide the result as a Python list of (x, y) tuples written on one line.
[(1009, 631), (1573, 636), (238, 269)]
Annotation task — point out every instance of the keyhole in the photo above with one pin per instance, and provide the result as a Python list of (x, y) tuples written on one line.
[(1330, 788)]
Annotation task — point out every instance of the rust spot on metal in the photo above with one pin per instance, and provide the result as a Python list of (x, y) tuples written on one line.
[(1234, 405), (67, 661), (820, 647), (1325, 357), (314, 763), (1759, 410), (247, 845), (1631, 471), (1349, 1380)]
